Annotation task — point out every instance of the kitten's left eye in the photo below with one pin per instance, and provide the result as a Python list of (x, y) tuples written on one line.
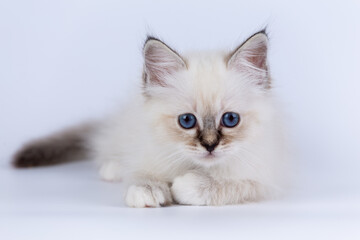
[(230, 119), (187, 120)]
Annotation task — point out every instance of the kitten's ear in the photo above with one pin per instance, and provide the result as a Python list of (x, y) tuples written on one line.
[(251, 58), (160, 61)]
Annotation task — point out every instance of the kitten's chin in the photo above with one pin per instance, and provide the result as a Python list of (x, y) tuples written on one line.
[(210, 156), (207, 158)]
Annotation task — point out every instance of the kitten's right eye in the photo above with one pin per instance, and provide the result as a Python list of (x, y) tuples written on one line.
[(187, 120)]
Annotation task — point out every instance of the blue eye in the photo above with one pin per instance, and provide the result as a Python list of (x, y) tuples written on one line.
[(230, 119), (187, 120)]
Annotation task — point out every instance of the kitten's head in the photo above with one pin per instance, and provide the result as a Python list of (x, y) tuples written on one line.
[(207, 105)]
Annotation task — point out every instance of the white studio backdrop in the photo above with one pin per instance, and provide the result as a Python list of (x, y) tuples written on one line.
[(63, 62)]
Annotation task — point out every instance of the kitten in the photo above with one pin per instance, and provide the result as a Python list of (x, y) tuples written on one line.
[(205, 130)]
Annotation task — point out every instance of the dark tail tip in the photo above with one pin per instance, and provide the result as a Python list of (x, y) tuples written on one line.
[(61, 147), (49, 153), (31, 156), (26, 158)]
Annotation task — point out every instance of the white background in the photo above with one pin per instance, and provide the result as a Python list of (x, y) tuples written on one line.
[(63, 62)]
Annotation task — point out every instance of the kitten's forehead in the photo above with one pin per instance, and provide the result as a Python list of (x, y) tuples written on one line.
[(207, 81), (207, 70), (206, 87)]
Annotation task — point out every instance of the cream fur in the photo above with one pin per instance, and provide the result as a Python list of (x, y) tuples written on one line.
[(144, 145)]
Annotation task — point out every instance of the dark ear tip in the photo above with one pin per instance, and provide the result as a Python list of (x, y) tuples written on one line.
[(262, 31), (150, 38)]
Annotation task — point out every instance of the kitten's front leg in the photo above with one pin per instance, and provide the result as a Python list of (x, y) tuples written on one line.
[(148, 193), (111, 171), (195, 188)]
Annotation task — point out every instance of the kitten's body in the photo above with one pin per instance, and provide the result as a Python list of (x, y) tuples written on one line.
[(162, 162)]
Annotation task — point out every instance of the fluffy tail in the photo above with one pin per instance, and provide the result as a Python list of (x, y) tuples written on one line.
[(61, 147)]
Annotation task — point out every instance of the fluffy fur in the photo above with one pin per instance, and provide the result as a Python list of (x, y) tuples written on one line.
[(163, 163)]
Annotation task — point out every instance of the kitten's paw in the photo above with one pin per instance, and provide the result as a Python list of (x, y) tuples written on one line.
[(148, 195), (110, 171), (191, 189)]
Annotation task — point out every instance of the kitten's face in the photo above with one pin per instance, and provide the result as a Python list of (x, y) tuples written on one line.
[(206, 104)]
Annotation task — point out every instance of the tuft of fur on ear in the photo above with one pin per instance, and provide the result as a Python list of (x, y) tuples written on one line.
[(251, 58), (160, 61)]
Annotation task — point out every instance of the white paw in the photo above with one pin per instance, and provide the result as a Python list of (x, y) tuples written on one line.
[(110, 171), (148, 195), (191, 189)]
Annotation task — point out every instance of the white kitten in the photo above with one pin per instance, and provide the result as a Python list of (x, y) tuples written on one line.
[(205, 130)]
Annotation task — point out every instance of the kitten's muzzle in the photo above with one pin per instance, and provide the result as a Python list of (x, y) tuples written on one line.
[(209, 137), (209, 140)]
